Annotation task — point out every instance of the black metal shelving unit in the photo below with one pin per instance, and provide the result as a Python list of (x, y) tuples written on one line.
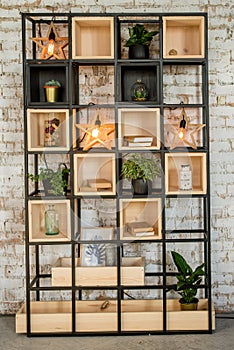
[(34, 71)]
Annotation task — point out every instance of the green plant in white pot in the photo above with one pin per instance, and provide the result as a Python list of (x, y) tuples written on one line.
[(188, 281), (141, 169)]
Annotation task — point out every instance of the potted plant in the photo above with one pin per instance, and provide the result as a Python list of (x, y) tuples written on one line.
[(139, 41), (141, 169), (52, 90), (188, 281), (54, 182)]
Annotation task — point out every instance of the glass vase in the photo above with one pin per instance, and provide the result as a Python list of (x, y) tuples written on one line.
[(51, 221)]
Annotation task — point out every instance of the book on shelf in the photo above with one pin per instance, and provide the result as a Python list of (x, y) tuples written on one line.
[(144, 233), (99, 183), (138, 138), (140, 228), (139, 144)]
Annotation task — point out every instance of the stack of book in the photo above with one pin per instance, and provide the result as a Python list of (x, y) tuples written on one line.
[(140, 229), (138, 141)]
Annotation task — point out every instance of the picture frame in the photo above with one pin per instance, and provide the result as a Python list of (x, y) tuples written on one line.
[(94, 254)]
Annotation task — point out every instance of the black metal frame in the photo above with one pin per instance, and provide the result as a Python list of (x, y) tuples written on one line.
[(34, 285)]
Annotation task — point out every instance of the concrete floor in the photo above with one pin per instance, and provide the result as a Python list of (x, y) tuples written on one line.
[(221, 339)]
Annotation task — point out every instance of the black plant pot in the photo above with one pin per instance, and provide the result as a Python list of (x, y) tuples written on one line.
[(138, 52), (141, 187)]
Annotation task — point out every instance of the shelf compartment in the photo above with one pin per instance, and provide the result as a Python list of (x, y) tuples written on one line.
[(143, 123), (92, 37), (94, 174), (142, 210), (38, 75), (36, 211), (148, 74), (137, 315), (132, 273), (197, 163), (185, 34), (38, 120)]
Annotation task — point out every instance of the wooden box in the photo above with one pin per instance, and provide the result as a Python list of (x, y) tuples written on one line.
[(197, 163), (132, 273), (46, 316), (143, 210), (136, 315), (37, 137), (139, 128), (94, 174), (93, 37), (185, 35), (36, 214)]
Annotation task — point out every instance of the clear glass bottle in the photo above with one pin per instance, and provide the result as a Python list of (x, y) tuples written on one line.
[(51, 221), (185, 177)]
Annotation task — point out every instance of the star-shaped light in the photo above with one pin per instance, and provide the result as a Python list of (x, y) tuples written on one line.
[(54, 44), (97, 133), (183, 132)]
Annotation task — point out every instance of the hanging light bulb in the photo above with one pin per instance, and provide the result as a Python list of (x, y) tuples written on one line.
[(51, 45), (182, 131), (96, 130)]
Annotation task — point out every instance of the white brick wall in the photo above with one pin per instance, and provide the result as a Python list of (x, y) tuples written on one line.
[(221, 54)]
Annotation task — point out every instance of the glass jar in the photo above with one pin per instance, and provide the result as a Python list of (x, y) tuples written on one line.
[(139, 91), (185, 177), (52, 132), (51, 221)]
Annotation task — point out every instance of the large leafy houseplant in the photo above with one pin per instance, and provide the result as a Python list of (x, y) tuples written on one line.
[(188, 279), (54, 181), (140, 166), (139, 41), (139, 35)]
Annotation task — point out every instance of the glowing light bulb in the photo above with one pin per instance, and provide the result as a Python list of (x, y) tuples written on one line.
[(95, 132), (51, 47), (182, 131)]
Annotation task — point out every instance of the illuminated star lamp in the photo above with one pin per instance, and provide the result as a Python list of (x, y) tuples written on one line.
[(54, 44), (184, 132), (97, 133)]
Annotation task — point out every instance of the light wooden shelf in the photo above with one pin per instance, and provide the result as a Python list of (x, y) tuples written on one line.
[(37, 118), (140, 210), (93, 37), (141, 122), (132, 273), (137, 315), (36, 213), (197, 162), (185, 35), (96, 167)]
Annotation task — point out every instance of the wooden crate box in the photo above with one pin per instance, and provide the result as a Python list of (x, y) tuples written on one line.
[(145, 211), (137, 127), (36, 214), (184, 35), (36, 119), (94, 174), (197, 163), (93, 37), (132, 273), (136, 315)]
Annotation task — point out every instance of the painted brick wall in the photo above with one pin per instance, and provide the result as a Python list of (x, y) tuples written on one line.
[(221, 88)]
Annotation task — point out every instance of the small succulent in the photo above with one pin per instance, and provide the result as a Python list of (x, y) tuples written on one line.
[(52, 83)]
